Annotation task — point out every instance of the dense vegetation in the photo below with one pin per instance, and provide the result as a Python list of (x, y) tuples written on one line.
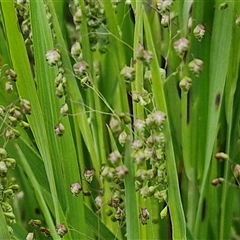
[(119, 119)]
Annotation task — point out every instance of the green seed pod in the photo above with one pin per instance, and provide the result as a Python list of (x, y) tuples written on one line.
[(14, 188), (12, 133), (181, 46), (141, 175), (6, 207), (196, 66), (59, 129), (24, 125), (10, 162), (3, 153), (108, 173), (10, 216), (125, 118), (163, 213), (8, 193), (199, 32), (64, 109), (53, 57), (76, 49), (223, 6), (2, 110), (3, 169), (128, 74), (108, 212), (59, 90), (75, 189), (77, 18), (185, 84), (12, 121)]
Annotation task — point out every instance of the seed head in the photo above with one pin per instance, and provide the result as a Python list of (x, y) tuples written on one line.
[(77, 18), (75, 189), (181, 46), (88, 175), (196, 66), (59, 129), (53, 57), (25, 106), (217, 181), (144, 216), (30, 236), (221, 156), (80, 68), (11, 74), (115, 158), (237, 21), (199, 32), (64, 109), (3, 153), (61, 230), (76, 49), (121, 171), (8, 86), (35, 222), (165, 20), (185, 84), (128, 74)]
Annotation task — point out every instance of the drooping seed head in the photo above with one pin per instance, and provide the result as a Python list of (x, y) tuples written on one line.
[(75, 189), (11, 74), (221, 156), (128, 74), (199, 32), (181, 46), (80, 68), (25, 106), (185, 84), (196, 66), (121, 171), (35, 222), (53, 57), (115, 157), (88, 175), (59, 129), (61, 230), (144, 216)]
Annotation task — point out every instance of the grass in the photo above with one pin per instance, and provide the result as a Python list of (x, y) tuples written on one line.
[(123, 128)]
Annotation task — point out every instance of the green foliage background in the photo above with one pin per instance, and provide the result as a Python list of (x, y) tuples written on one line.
[(200, 121)]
